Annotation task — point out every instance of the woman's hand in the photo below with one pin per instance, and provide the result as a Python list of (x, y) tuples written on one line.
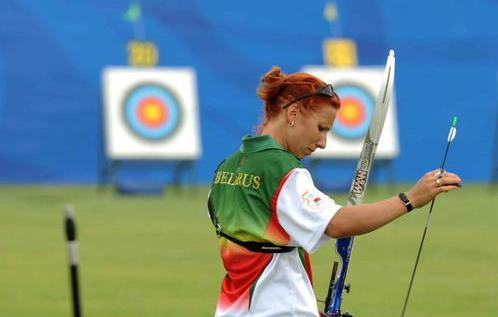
[(432, 184)]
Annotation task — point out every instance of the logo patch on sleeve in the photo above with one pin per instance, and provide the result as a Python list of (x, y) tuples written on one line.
[(312, 199)]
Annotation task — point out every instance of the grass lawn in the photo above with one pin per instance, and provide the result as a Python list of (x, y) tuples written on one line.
[(157, 256)]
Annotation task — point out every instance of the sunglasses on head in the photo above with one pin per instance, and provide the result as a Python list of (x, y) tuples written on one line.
[(326, 90)]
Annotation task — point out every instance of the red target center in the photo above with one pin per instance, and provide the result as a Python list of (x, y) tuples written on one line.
[(351, 113), (152, 112)]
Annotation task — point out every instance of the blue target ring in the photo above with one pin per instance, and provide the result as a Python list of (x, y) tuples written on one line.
[(354, 116), (151, 112)]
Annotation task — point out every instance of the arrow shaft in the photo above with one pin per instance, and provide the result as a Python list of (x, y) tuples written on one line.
[(451, 136), (417, 260)]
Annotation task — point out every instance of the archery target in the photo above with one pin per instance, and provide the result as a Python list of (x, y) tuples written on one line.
[(354, 116), (358, 89), (151, 113)]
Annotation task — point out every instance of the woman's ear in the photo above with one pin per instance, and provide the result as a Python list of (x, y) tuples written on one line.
[(292, 113)]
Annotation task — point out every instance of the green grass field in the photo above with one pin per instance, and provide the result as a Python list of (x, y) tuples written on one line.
[(157, 256)]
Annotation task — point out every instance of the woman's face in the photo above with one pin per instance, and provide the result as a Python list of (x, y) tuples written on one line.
[(310, 130)]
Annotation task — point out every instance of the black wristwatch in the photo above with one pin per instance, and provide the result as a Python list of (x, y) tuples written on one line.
[(406, 201)]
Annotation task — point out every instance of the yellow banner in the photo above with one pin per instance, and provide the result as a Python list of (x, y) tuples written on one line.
[(340, 52), (142, 53)]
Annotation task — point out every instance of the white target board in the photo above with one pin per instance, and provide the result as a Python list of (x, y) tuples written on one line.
[(151, 113), (358, 89)]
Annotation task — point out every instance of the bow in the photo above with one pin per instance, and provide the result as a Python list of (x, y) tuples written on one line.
[(344, 246)]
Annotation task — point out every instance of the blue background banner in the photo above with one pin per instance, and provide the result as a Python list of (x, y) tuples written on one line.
[(52, 54)]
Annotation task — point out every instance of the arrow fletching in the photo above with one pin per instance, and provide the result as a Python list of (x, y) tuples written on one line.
[(452, 133)]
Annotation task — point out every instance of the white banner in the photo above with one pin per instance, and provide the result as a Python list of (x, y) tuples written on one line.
[(151, 113), (357, 88)]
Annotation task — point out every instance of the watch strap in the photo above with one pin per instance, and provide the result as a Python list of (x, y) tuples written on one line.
[(406, 202)]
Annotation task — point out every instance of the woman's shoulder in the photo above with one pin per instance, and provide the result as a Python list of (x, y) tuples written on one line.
[(277, 159)]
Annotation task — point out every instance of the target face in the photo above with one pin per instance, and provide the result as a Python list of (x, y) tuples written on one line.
[(354, 116), (151, 112)]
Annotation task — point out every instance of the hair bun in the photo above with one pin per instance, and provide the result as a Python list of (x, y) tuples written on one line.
[(271, 84)]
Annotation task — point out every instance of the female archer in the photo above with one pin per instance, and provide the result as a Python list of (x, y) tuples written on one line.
[(268, 213)]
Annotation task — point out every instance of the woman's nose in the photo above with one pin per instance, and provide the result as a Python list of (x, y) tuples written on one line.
[(322, 142)]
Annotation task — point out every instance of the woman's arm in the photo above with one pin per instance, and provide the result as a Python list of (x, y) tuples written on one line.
[(360, 219)]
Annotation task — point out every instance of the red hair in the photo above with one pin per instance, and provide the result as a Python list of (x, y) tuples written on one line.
[(277, 89)]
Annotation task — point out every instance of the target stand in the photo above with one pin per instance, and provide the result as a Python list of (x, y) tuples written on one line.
[(122, 175), (151, 128)]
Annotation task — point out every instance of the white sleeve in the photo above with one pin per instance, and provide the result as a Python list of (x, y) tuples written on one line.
[(304, 211)]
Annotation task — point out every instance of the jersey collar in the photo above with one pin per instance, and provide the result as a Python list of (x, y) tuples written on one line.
[(259, 143)]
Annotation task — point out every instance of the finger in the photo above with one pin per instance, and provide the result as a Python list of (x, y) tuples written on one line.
[(434, 172), (452, 179), (449, 178), (439, 174), (448, 174), (447, 188), (451, 184), (444, 181)]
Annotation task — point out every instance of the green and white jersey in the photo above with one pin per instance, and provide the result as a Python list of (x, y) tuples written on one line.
[(262, 193)]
